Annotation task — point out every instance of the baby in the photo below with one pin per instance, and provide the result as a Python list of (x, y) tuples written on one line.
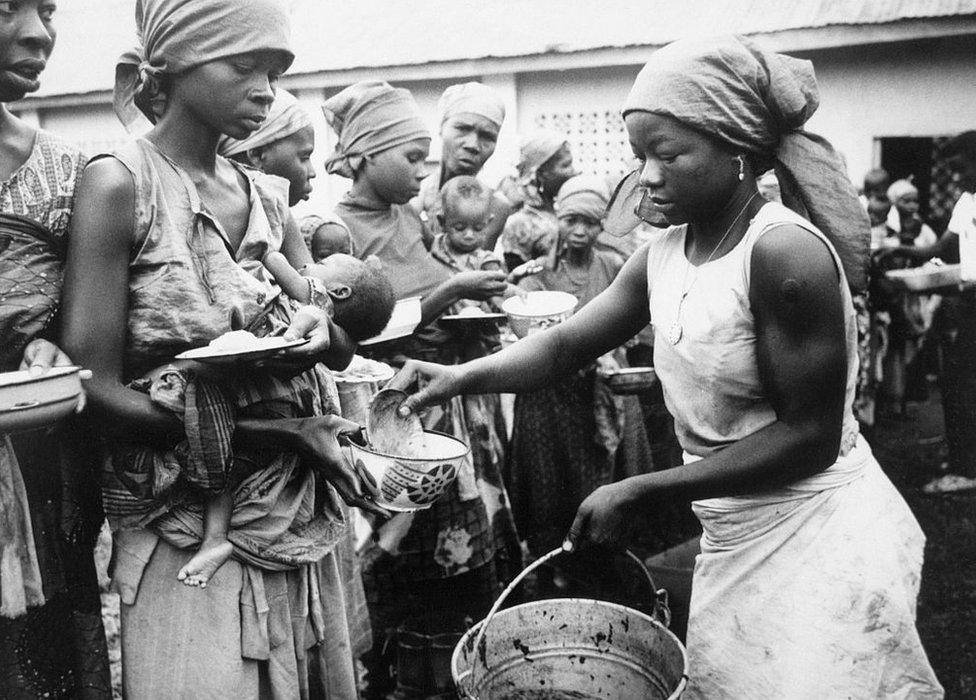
[(357, 294), (358, 297), (465, 212)]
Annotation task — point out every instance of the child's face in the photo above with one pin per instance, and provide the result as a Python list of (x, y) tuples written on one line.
[(878, 210), (338, 272), (232, 95), (578, 232), (396, 173), (907, 204), (290, 158), (464, 222)]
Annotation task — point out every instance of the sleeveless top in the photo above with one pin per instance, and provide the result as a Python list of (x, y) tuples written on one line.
[(710, 376), (187, 284)]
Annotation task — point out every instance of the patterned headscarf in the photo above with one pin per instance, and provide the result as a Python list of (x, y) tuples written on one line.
[(758, 101), (472, 98), (370, 117), (286, 117), (177, 35)]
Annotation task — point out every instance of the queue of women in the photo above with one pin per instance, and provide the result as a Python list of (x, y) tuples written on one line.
[(810, 564)]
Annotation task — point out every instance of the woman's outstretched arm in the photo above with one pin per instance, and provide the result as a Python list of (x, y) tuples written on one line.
[(608, 321)]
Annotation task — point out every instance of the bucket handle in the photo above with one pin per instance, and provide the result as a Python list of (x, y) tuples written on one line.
[(661, 611)]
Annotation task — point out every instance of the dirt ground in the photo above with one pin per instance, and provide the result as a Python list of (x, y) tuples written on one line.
[(910, 450)]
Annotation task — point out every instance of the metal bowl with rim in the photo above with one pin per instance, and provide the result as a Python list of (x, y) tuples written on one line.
[(33, 401), (538, 311)]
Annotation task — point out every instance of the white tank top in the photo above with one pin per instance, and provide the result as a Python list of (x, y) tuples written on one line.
[(710, 376)]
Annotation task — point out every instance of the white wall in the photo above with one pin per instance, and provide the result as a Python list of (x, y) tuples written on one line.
[(919, 88), (94, 128)]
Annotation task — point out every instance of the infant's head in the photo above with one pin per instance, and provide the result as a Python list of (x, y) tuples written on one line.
[(465, 213), (361, 294)]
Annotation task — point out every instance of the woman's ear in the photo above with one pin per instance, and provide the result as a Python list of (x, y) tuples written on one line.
[(340, 292)]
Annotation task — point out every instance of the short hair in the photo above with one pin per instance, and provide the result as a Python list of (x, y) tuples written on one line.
[(368, 309), (961, 146), (876, 178), (465, 187)]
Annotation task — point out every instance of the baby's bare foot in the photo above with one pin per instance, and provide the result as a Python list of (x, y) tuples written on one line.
[(204, 564)]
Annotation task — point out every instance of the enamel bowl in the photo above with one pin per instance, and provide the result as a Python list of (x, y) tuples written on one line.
[(413, 483), (538, 311), (28, 402)]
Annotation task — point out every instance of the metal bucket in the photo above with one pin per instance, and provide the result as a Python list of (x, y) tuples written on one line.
[(570, 648)]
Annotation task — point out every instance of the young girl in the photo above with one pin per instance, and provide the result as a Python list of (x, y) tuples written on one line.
[(445, 563), (155, 268), (573, 435)]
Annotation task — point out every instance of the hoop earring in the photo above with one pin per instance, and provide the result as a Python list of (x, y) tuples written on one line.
[(742, 168)]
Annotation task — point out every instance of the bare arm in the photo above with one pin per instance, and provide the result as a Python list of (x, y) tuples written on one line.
[(95, 304), (341, 347), (946, 248), (801, 352), (288, 278), (602, 325)]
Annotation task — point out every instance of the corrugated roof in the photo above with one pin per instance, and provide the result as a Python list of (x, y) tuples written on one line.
[(330, 35)]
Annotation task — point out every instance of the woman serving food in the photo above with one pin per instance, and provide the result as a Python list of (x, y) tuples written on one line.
[(810, 561)]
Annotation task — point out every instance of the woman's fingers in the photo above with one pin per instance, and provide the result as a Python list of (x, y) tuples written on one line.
[(40, 355)]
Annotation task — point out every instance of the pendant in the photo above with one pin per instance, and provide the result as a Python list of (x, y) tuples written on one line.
[(674, 333)]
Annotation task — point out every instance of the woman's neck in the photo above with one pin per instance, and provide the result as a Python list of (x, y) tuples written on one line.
[(186, 140), (579, 257), (726, 227), (363, 191), (16, 142)]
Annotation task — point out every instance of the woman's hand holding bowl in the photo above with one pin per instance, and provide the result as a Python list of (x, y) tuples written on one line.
[(41, 355), (316, 440), (432, 384)]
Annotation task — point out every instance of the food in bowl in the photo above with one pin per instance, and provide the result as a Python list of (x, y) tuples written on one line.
[(28, 401), (364, 370), (537, 311)]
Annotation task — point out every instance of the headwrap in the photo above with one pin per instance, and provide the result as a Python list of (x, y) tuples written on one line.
[(370, 117), (758, 101), (286, 117), (472, 98), (584, 195), (535, 150), (900, 188), (177, 35)]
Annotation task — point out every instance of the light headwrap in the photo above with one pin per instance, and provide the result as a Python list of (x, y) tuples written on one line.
[(370, 117), (757, 101), (583, 195), (900, 188), (535, 150), (472, 98), (177, 35), (286, 117)]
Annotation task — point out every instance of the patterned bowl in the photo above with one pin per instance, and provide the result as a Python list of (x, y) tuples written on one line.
[(538, 311), (413, 483)]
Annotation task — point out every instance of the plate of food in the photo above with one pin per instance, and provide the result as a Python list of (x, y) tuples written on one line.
[(405, 319), (362, 370), (473, 315), (240, 346)]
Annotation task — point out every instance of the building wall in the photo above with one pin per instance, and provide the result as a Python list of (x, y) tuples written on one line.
[(918, 88)]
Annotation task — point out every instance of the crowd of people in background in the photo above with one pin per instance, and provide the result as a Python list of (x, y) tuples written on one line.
[(228, 496)]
